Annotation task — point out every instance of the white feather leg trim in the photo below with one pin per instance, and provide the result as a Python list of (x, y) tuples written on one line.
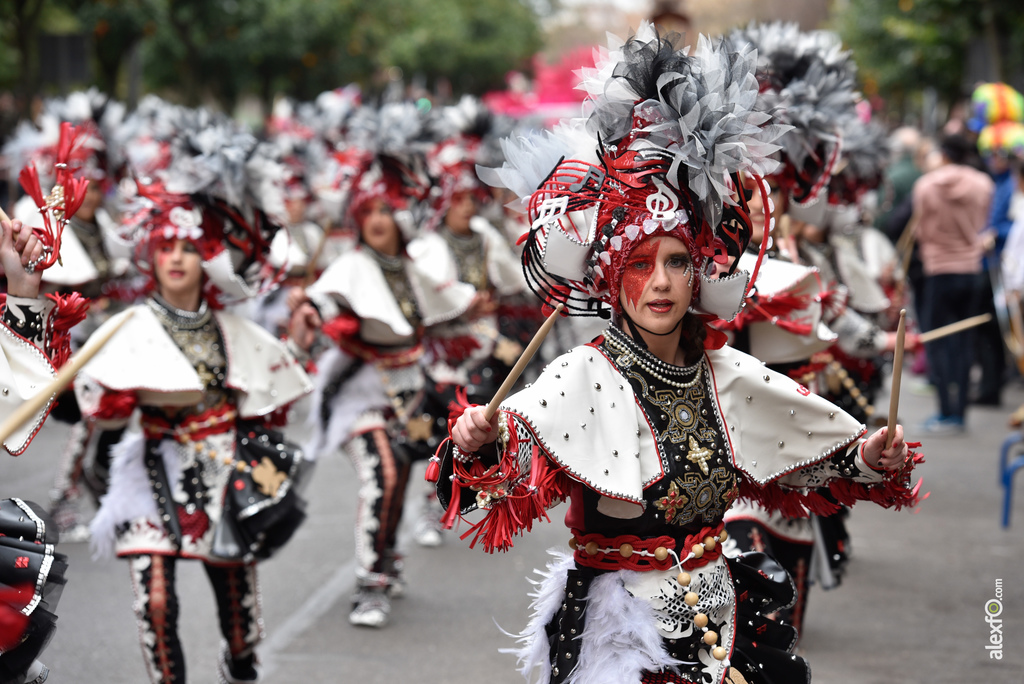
[(130, 495), (620, 639)]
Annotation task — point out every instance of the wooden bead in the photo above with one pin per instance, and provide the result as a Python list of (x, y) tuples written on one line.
[(572, 544), (683, 578), (691, 598), (709, 543), (719, 653), (701, 620), (661, 553), (626, 550), (240, 466), (592, 548), (698, 550), (723, 535), (710, 638)]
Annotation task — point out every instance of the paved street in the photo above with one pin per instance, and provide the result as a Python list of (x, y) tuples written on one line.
[(911, 608)]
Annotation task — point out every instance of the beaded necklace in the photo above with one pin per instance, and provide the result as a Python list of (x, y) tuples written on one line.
[(630, 353)]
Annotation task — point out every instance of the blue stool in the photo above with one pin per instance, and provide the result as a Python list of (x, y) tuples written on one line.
[(1007, 469)]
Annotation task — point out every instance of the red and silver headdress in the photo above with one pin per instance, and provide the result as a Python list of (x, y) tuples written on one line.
[(809, 80), (224, 192), (661, 153)]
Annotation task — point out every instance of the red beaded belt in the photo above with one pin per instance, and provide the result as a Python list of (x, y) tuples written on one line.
[(629, 552), (191, 428)]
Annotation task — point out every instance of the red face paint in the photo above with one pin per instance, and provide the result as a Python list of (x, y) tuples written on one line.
[(639, 269)]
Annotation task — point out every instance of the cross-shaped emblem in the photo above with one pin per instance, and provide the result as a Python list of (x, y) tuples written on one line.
[(699, 455)]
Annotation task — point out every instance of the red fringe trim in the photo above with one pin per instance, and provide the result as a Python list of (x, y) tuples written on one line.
[(895, 491), (70, 310), (116, 405), (512, 511)]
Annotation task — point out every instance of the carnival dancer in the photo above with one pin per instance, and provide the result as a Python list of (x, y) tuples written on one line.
[(476, 355), (464, 246), (376, 303), (94, 262), (208, 477), (35, 335), (655, 428), (809, 79)]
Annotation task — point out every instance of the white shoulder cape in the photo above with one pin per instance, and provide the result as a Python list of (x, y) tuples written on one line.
[(773, 344), (504, 268), (142, 358), (24, 371), (587, 417), (356, 280)]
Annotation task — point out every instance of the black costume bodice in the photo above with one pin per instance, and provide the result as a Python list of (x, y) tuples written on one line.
[(700, 479)]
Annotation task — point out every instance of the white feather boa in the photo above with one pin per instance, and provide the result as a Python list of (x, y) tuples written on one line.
[(130, 495), (619, 642)]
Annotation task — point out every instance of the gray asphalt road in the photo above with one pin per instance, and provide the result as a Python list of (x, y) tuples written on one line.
[(911, 608)]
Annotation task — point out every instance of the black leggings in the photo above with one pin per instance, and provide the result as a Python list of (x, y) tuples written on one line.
[(156, 611)]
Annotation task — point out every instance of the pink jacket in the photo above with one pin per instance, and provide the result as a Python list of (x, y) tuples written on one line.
[(951, 205)]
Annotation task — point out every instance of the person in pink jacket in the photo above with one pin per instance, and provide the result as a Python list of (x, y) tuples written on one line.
[(951, 206)]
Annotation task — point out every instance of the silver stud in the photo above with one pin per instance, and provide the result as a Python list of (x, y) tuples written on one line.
[(753, 463), (809, 434), (590, 358), (557, 376), (6, 391), (782, 444), (620, 387), (565, 436), (749, 399), (831, 416), (543, 402), (767, 378), (597, 386), (612, 405), (615, 452), (561, 393), (792, 412), (637, 455), (583, 426), (564, 364), (605, 471), (591, 409)]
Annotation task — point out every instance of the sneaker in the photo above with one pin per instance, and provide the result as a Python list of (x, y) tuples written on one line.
[(230, 671), (371, 607), (944, 425), (427, 534)]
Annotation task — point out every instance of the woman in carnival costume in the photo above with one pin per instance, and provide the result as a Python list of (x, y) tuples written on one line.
[(377, 303), (809, 80), (655, 428), (35, 341), (207, 478)]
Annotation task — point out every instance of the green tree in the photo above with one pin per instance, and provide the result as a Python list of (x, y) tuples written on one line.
[(902, 47)]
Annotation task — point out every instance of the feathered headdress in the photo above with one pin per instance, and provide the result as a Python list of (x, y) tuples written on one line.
[(808, 80), (661, 153), (460, 131), (223, 191), (384, 159)]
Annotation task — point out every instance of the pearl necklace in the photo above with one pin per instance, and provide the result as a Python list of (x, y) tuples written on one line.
[(629, 354)]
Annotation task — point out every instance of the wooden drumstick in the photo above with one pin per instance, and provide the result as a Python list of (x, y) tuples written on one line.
[(524, 359), (954, 328), (897, 373), (33, 404)]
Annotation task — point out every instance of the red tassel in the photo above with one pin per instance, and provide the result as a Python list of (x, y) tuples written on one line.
[(433, 470), (452, 514)]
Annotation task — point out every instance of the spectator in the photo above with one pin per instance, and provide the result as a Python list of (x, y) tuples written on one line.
[(951, 204)]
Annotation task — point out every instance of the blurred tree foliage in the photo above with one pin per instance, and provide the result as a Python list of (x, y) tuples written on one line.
[(194, 50), (902, 46)]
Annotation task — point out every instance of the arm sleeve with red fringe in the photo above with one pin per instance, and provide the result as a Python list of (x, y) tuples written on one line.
[(46, 322), (513, 480), (846, 476)]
